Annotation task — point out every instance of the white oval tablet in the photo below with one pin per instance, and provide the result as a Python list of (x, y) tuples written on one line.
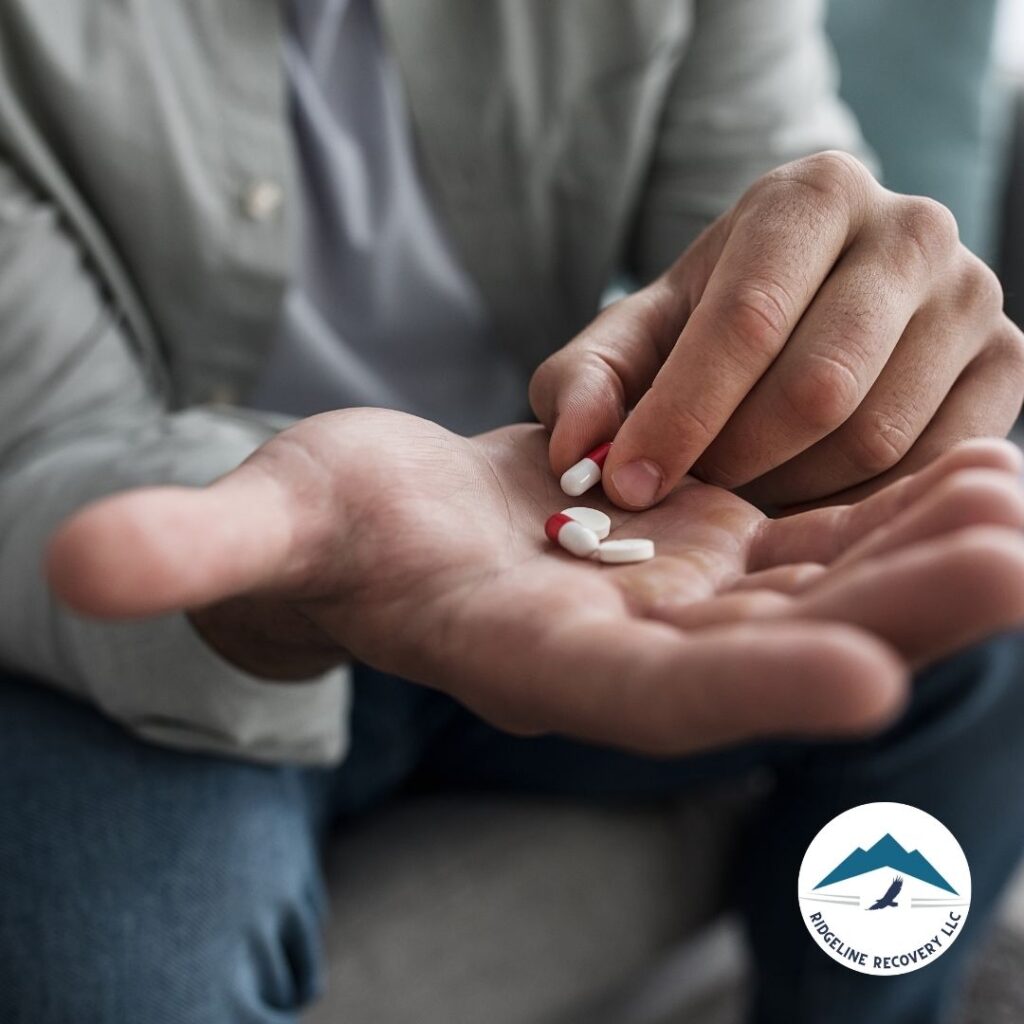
[(633, 549), (592, 518)]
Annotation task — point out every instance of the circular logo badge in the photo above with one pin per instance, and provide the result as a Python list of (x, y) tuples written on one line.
[(884, 889)]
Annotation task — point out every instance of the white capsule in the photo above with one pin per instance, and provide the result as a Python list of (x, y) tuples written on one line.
[(592, 518), (587, 472), (578, 479), (578, 540), (633, 549)]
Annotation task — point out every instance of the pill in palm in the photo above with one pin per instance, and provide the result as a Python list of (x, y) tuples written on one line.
[(571, 535), (632, 549), (587, 472), (592, 518)]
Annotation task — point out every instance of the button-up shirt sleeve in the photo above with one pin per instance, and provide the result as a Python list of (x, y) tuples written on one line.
[(757, 87), (78, 421)]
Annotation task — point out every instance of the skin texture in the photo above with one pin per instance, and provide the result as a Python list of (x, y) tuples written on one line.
[(821, 339), (423, 553)]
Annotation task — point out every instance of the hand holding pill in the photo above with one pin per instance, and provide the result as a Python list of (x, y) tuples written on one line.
[(380, 536), (582, 530), (819, 340)]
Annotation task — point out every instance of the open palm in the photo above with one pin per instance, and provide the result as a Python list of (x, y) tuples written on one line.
[(423, 553)]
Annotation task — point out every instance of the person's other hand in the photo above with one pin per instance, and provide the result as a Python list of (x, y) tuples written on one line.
[(423, 554), (820, 339)]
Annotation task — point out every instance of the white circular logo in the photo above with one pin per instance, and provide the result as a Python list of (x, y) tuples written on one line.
[(884, 889)]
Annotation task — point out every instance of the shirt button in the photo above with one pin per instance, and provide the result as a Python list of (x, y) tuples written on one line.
[(262, 199)]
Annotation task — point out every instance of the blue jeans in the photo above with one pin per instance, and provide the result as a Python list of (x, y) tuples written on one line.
[(144, 885)]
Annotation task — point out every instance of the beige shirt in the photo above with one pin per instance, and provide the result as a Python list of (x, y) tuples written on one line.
[(147, 190)]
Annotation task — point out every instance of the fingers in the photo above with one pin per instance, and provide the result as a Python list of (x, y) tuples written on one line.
[(930, 599), (582, 392), (823, 535), (984, 401), (965, 498), (161, 549), (643, 686), (784, 239), (842, 376), (938, 350)]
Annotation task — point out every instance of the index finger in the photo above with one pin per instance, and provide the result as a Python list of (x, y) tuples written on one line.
[(786, 235)]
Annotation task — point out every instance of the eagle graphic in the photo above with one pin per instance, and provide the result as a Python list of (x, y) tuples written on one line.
[(889, 899)]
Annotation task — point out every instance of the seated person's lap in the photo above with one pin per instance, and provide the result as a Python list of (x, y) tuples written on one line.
[(135, 873)]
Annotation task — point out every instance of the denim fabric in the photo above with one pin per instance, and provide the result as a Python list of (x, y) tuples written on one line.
[(158, 887)]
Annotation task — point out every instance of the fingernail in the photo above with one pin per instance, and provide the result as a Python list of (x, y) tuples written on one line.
[(638, 482)]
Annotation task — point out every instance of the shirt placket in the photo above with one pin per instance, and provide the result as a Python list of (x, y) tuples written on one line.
[(258, 177)]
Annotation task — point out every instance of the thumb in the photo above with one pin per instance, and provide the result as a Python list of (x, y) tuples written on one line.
[(583, 391), (162, 549)]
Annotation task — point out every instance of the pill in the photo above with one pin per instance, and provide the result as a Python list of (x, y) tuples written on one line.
[(635, 549), (587, 472), (592, 518), (572, 536)]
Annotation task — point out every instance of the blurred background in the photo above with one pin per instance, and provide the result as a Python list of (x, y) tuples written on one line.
[(524, 911), (1009, 63), (938, 90)]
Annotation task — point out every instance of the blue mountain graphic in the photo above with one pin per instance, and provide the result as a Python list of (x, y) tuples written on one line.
[(886, 853)]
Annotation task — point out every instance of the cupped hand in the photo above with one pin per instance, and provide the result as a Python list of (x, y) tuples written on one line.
[(423, 553), (820, 339)]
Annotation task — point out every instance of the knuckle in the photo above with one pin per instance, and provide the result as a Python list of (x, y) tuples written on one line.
[(834, 174), (981, 288), (1009, 344), (822, 393), (651, 312), (880, 441), (1005, 351), (758, 316), (928, 228), (569, 381), (825, 183)]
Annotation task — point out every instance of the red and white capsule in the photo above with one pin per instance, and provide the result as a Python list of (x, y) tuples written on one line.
[(587, 472), (573, 536)]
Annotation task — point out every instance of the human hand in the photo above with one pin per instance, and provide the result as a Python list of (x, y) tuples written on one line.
[(423, 553), (822, 338)]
